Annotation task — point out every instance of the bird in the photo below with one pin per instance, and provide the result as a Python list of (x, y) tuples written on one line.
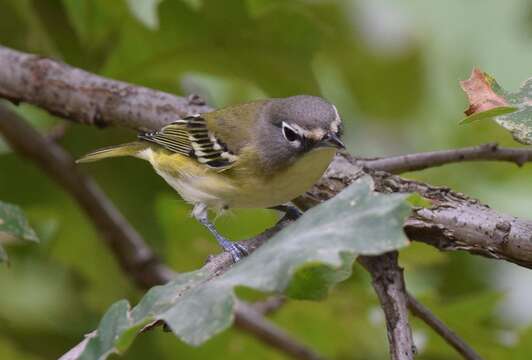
[(259, 154)]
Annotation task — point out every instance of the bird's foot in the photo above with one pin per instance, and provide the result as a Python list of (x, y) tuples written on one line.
[(290, 212), (236, 250)]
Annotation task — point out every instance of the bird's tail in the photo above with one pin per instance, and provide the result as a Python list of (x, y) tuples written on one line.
[(129, 149)]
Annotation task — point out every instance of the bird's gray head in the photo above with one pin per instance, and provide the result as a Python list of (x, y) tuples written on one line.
[(295, 125)]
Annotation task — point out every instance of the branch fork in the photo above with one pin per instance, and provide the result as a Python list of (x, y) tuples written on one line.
[(455, 222)]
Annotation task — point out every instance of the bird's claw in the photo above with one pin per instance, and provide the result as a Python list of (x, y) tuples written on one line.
[(290, 212), (237, 251)]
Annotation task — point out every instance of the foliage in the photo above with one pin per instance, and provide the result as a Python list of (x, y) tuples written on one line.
[(13, 226), (303, 259), (510, 110), (391, 67)]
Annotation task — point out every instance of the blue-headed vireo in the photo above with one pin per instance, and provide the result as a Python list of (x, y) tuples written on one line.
[(260, 154)]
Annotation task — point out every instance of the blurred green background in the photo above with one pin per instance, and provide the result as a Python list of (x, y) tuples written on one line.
[(391, 67)]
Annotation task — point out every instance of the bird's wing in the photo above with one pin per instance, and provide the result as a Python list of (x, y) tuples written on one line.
[(191, 137)]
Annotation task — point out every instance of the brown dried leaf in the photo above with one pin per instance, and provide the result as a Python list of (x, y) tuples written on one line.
[(480, 93), (488, 100)]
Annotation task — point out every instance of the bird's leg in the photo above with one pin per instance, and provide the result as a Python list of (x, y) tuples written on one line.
[(290, 212), (236, 250)]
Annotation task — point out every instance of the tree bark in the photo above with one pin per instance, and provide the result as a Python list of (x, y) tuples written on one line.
[(389, 284)]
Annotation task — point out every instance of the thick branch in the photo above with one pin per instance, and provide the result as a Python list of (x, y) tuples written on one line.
[(134, 256), (454, 221), (439, 327), (458, 222), (87, 98), (420, 161), (78, 95), (389, 285)]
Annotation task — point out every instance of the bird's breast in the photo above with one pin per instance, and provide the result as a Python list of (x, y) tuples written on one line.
[(285, 185), (198, 184)]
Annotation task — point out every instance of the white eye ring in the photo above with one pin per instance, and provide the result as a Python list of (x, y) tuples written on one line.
[(290, 134)]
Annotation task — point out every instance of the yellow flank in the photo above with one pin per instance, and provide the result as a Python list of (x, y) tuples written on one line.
[(195, 182), (238, 188)]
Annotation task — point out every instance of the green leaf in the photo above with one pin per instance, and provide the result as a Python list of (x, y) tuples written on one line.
[(304, 260), (513, 111), (13, 225), (489, 114), (115, 333), (146, 12), (313, 280)]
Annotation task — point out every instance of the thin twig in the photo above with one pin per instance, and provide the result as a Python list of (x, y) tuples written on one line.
[(414, 162), (261, 328), (58, 132), (389, 285), (456, 222), (441, 329), (269, 305), (135, 257)]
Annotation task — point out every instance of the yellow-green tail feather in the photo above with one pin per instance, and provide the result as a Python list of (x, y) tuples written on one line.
[(129, 149)]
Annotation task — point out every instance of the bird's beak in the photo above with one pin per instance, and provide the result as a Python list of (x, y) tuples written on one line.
[(332, 140)]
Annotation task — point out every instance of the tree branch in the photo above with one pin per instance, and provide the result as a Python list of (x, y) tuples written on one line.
[(135, 257), (269, 305), (80, 96), (256, 324), (424, 160), (389, 285), (453, 222), (413, 162), (379, 268), (439, 327)]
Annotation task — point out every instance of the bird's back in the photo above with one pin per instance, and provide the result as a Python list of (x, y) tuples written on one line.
[(235, 126), (224, 158)]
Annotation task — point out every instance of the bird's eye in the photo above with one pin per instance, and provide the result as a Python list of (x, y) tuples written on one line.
[(289, 133)]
